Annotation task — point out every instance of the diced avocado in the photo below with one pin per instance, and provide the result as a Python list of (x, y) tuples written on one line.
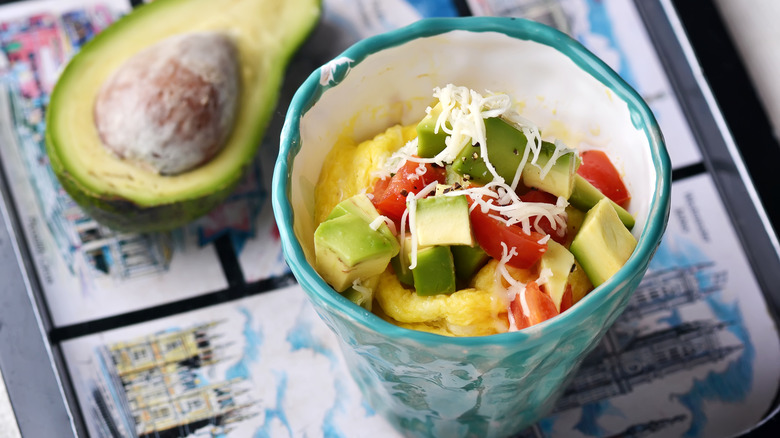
[(435, 271), (402, 261), (363, 294), (358, 205), (347, 248), (585, 196), (468, 260), (506, 146), (579, 283), (603, 244), (559, 179), (443, 220), (560, 262), (453, 178), (574, 218), (430, 142)]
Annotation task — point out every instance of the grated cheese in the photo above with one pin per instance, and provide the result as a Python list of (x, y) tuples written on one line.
[(560, 150), (544, 276), (365, 292), (376, 223)]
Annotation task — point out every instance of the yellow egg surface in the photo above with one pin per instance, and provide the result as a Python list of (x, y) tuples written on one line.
[(348, 168)]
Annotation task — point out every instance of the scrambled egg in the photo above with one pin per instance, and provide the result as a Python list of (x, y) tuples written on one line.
[(349, 166), (475, 311)]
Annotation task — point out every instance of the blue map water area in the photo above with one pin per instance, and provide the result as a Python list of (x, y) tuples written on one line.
[(677, 252), (277, 412), (601, 24), (673, 319), (434, 8), (591, 412), (329, 427), (731, 385), (302, 337), (253, 339)]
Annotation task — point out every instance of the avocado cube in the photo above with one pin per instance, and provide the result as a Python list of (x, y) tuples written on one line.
[(402, 261), (468, 260), (347, 248), (603, 244), (505, 146), (362, 297), (358, 205), (559, 261), (584, 196), (443, 220), (435, 271), (430, 142), (559, 180)]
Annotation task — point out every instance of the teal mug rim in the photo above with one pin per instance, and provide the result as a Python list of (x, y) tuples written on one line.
[(312, 89)]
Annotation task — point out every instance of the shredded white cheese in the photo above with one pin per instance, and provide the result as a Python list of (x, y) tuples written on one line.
[(364, 291), (376, 223), (544, 276), (560, 150)]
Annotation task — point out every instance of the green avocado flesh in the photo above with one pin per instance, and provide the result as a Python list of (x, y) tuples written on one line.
[(346, 246), (124, 196), (505, 148), (468, 260), (585, 196), (560, 263), (435, 271), (603, 244), (429, 141), (443, 220)]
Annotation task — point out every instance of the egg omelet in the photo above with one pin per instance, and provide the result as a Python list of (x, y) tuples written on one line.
[(351, 168)]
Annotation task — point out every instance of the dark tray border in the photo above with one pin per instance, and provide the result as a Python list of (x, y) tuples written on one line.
[(33, 368)]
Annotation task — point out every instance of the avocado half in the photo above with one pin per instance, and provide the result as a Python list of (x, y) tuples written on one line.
[(124, 196)]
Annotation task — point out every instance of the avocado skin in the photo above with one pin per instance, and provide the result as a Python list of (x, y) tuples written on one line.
[(125, 214)]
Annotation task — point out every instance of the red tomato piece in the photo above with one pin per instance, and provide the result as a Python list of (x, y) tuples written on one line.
[(534, 195), (540, 307), (598, 170), (567, 300), (490, 232), (390, 193)]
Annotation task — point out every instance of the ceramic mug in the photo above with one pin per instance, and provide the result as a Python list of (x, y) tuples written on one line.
[(428, 384)]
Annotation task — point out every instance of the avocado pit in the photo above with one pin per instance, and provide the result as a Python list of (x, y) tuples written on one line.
[(171, 107)]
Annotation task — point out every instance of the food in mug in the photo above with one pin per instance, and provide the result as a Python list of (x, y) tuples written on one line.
[(469, 223)]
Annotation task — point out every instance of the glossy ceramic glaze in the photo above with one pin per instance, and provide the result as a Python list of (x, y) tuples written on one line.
[(426, 384)]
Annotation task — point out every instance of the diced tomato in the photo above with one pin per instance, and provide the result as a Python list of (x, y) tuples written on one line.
[(490, 232), (540, 307), (534, 195), (567, 300), (598, 170), (390, 193)]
